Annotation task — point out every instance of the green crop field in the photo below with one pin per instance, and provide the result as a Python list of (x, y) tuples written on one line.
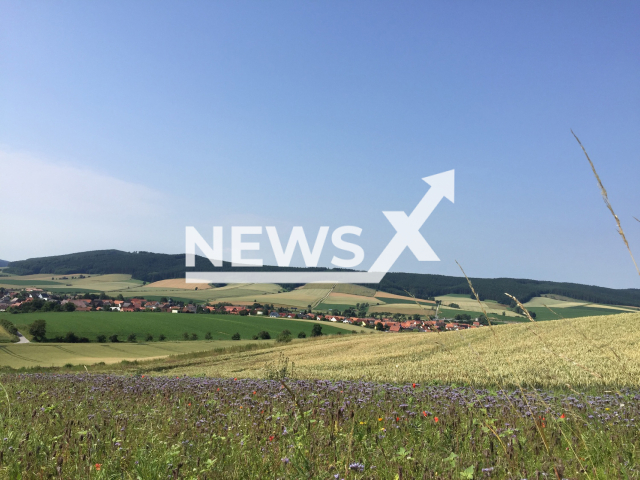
[(222, 327), (17, 282)]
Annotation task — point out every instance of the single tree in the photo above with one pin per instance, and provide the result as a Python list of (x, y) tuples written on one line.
[(114, 339), (284, 337), (207, 336), (236, 336), (69, 307), (194, 336), (302, 335), (316, 331), (132, 338), (71, 337), (162, 338), (101, 338), (38, 330), (185, 335), (149, 338)]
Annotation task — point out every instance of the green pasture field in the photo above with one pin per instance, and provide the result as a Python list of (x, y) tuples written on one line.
[(89, 284), (172, 325), (17, 282), (388, 300), (243, 293), (59, 354), (325, 307), (452, 312)]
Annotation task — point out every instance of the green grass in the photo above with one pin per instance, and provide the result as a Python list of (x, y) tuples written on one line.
[(452, 312), (5, 337), (172, 325), (403, 300), (27, 283), (72, 290), (325, 307)]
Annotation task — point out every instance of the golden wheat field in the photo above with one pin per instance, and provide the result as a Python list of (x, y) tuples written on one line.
[(581, 352)]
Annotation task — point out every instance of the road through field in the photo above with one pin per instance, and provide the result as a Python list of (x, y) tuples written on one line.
[(22, 338)]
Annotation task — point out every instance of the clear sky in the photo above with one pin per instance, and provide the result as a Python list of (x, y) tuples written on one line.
[(123, 122)]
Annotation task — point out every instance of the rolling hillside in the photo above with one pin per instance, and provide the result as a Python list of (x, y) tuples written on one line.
[(3, 263), (582, 352), (154, 267)]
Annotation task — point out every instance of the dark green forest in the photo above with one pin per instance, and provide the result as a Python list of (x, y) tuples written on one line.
[(151, 267), (145, 266)]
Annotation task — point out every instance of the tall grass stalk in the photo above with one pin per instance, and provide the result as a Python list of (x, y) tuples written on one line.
[(605, 197)]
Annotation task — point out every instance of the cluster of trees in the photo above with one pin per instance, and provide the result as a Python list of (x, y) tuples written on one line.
[(132, 338), (39, 305), (9, 326), (286, 335)]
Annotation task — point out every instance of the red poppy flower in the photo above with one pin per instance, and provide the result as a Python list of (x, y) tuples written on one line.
[(98, 466), (271, 438), (413, 385), (397, 419), (424, 414), (254, 392), (435, 419), (562, 416)]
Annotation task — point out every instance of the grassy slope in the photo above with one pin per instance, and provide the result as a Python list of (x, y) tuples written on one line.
[(543, 313), (5, 337), (59, 354), (575, 352), (222, 327)]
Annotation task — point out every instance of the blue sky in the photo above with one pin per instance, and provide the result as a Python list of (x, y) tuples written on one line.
[(123, 122)]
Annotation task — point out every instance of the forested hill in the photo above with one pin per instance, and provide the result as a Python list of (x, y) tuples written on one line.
[(3, 263), (146, 266), (151, 267)]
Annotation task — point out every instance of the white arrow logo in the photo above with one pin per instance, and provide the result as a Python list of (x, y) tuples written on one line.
[(407, 235), (408, 227)]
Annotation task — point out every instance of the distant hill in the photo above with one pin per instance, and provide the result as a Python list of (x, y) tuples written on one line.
[(425, 285), (152, 267), (3, 263), (146, 266)]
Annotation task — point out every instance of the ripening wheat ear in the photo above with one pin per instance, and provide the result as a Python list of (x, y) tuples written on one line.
[(605, 197)]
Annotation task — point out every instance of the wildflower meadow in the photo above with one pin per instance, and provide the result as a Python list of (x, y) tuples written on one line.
[(102, 426)]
